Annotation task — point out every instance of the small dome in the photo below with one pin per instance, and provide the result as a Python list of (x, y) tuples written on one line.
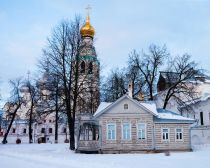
[(87, 30)]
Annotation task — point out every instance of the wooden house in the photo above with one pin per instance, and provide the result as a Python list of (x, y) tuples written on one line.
[(128, 125)]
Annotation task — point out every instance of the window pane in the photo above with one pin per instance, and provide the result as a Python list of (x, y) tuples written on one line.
[(141, 131), (141, 126), (111, 132), (165, 130), (143, 134), (82, 70), (179, 134), (125, 106), (43, 130), (178, 130), (126, 131), (90, 68), (165, 134)]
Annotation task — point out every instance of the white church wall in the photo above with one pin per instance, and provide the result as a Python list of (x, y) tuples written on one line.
[(200, 135)]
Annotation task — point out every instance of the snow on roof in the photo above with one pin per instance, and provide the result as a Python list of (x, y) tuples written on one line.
[(205, 97), (151, 106), (207, 81), (161, 114), (101, 107), (166, 114)]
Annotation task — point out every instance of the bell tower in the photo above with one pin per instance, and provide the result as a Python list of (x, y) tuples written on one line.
[(89, 68)]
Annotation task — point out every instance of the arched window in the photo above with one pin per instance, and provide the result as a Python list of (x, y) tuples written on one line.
[(90, 69), (82, 67)]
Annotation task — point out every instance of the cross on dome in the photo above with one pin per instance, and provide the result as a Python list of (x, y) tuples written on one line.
[(88, 8), (87, 29)]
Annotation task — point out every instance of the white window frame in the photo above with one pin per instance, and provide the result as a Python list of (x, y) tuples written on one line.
[(107, 132), (123, 138), (138, 130), (165, 140), (176, 133)]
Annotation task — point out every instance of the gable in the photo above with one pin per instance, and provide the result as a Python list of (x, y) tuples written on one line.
[(134, 107), (119, 107)]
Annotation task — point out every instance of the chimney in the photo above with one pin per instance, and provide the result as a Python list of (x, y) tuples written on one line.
[(130, 89), (141, 96)]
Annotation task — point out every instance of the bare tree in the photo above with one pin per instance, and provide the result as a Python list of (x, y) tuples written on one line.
[(50, 101), (56, 93), (61, 57), (13, 105), (32, 98), (181, 75), (114, 86), (148, 66), (134, 77), (1, 122), (0, 111), (0, 93)]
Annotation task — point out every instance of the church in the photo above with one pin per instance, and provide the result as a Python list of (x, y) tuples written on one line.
[(89, 71), (123, 126), (87, 101)]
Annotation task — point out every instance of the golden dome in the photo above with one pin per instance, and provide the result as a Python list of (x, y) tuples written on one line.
[(87, 30)]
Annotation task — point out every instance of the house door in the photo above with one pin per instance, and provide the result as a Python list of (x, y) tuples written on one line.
[(43, 139)]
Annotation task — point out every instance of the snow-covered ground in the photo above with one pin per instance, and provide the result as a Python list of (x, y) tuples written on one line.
[(59, 156)]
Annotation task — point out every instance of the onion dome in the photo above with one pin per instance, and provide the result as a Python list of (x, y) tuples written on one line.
[(87, 30)]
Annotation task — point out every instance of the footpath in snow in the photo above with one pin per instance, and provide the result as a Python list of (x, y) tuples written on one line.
[(59, 156)]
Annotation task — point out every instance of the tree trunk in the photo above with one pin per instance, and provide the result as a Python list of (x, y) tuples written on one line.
[(72, 140), (10, 125), (30, 123), (75, 96), (69, 123), (56, 116), (165, 103), (170, 92), (151, 92)]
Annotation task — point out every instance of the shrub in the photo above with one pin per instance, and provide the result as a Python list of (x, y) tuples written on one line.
[(18, 141), (66, 141)]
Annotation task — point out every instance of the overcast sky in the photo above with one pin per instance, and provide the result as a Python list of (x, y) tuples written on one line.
[(121, 26)]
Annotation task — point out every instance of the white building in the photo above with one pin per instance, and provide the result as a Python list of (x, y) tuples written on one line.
[(200, 108), (43, 129)]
